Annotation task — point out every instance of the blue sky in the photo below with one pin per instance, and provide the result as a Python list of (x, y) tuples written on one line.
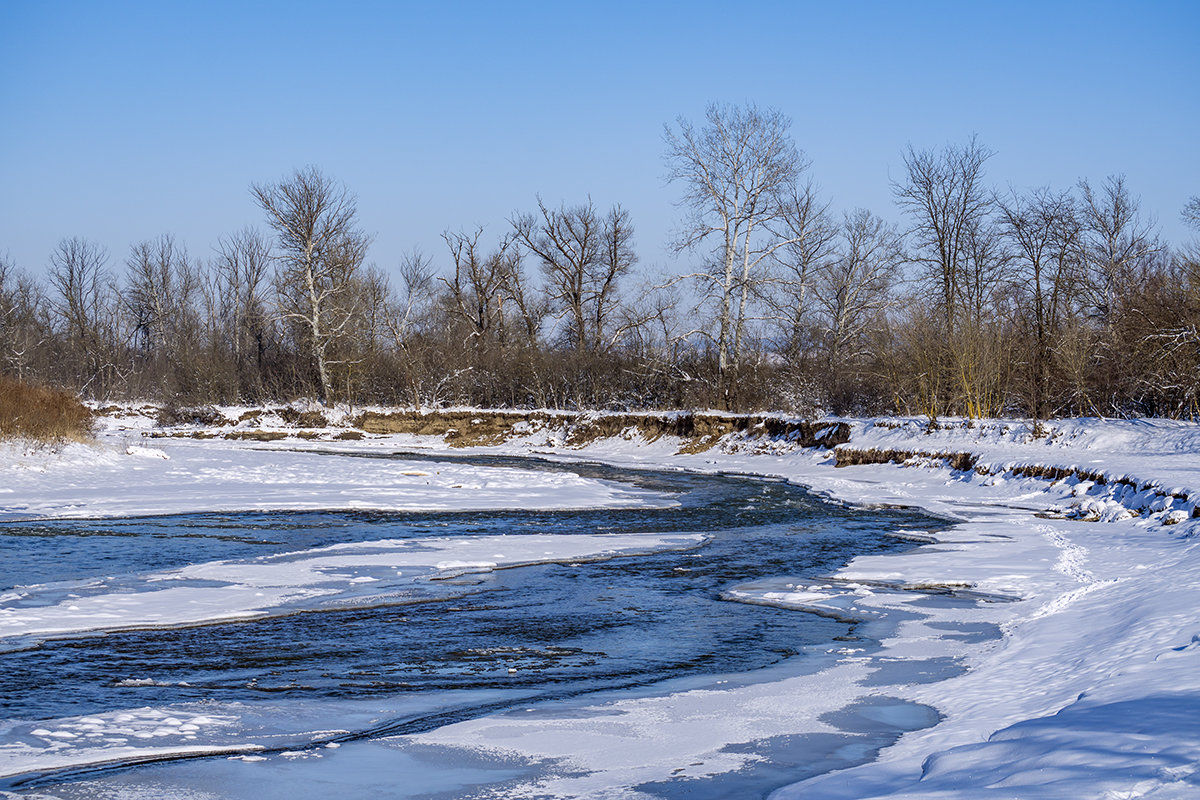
[(123, 121)]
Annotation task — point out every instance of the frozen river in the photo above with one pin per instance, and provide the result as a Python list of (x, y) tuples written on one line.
[(318, 676)]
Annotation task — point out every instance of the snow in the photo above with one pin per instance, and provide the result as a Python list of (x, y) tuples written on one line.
[(240, 731), (1053, 629), (133, 735), (181, 476)]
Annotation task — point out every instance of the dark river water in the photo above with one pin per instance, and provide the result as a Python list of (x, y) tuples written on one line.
[(545, 632)]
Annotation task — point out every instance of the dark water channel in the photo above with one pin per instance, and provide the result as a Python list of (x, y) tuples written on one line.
[(549, 631)]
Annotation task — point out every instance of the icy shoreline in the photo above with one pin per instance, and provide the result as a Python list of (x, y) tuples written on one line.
[(1086, 684)]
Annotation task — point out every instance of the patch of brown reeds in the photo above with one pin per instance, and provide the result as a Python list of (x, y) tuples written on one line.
[(41, 413)]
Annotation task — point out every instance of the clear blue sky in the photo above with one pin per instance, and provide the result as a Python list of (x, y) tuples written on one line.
[(121, 121)]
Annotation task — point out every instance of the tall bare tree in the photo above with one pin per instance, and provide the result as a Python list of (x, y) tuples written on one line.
[(854, 288), (86, 304), (24, 328), (1116, 239), (161, 288), (477, 292), (1190, 255), (737, 172), (955, 244), (1043, 231), (1179, 340), (944, 194), (583, 256), (412, 322), (319, 252), (242, 267), (810, 244), (1191, 213), (617, 259), (417, 279), (493, 318)]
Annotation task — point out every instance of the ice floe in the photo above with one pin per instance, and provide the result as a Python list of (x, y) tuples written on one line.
[(384, 571)]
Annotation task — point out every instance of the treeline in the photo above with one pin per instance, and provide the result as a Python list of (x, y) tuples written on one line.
[(1037, 303)]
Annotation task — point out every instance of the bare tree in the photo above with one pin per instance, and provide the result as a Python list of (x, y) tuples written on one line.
[(23, 324), (86, 304), (617, 259), (1189, 256), (161, 288), (1116, 240), (488, 291), (567, 244), (944, 194), (962, 263), (737, 173), (853, 289), (320, 251), (242, 265), (1043, 230), (78, 274), (477, 290), (411, 321), (810, 243), (1191, 213), (528, 307), (979, 344), (583, 256), (417, 279), (984, 276)]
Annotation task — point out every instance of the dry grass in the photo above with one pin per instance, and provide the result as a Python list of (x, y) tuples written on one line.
[(1057, 473), (41, 413), (303, 419), (697, 432), (205, 416), (850, 457), (257, 436), (460, 428)]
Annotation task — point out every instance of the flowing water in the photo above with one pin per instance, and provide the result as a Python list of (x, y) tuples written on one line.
[(472, 646)]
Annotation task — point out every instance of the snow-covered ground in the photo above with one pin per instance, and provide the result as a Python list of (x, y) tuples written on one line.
[(176, 476), (1067, 667)]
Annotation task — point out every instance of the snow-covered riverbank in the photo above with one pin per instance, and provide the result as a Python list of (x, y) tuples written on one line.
[(117, 479), (1054, 629)]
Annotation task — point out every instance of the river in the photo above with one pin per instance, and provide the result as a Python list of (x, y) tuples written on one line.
[(353, 675)]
